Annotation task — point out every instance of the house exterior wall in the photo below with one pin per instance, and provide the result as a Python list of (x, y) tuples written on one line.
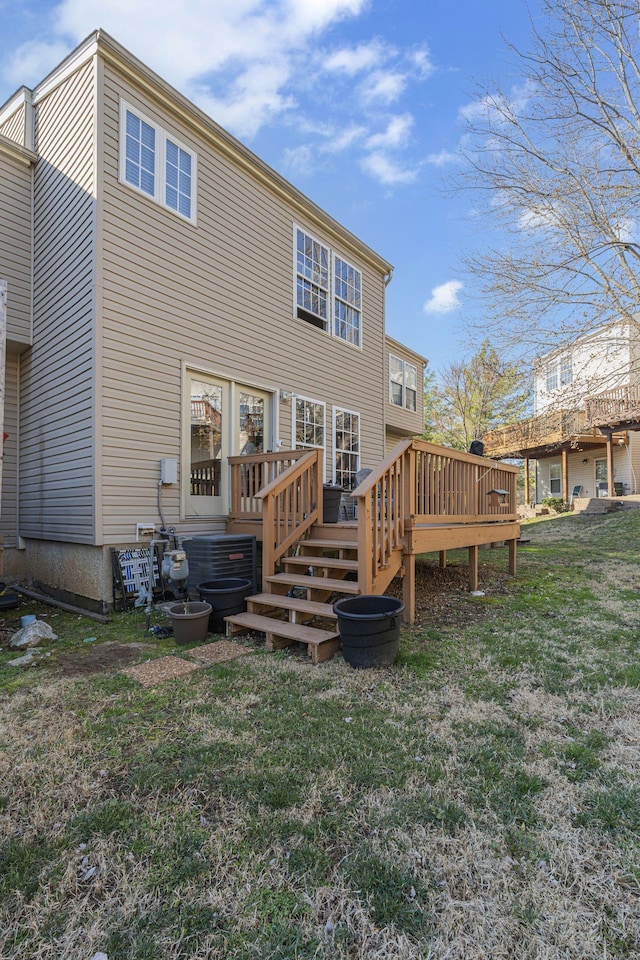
[(57, 374), (216, 298), (602, 361), (9, 516), (16, 250)]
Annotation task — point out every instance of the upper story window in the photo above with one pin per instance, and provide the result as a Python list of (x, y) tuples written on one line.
[(566, 371), (155, 163), (328, 290), (347, 308), (403, 383), (551, 376)]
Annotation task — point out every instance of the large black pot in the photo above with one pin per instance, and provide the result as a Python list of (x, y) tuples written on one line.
[(369, 629), (226, 598)]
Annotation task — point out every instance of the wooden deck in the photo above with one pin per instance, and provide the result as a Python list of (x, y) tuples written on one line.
[(422, 498)]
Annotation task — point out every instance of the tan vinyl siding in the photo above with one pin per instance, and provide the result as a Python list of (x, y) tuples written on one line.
[(217, 297), (57, 389), (14, 127), (9, 508), (16, 247)]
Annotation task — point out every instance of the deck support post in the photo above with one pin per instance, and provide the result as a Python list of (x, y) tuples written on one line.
[(513, 562), (409, 588), (565, 475), (527, 495), (610, 486), (473, 568), (443, 559)]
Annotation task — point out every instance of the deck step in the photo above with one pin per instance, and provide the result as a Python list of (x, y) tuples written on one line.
[(294, 604), (322, 644), (314, 583), (315, 561), (321, 543)]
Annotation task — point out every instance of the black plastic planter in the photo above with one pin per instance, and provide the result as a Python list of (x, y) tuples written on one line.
[(226, 598), (369, 629), (331, 503)]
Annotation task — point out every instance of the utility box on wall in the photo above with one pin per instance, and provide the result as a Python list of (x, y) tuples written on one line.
[(218, 557)]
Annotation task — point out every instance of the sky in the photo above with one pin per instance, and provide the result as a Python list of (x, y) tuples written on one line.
[(359, 103)]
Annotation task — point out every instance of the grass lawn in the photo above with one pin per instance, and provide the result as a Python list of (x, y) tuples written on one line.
[(478, 800)]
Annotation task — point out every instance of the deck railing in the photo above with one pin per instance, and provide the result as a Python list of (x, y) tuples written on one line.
[(252, 473), (616, 406), (291, 504), (422, 483), (553, 427)]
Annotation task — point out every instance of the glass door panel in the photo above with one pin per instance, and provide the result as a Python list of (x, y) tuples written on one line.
[(207, 447)]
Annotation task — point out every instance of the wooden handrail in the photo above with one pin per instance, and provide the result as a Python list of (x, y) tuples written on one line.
[(291, 504), (250, 474)]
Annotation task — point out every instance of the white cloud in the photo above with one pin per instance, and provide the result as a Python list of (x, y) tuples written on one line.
[(421, 59), (496, 108), (354, 60), (396, 134), (444, 298), (257, 40), (32, 62), (383, 86), (443, 158), (384, 169)]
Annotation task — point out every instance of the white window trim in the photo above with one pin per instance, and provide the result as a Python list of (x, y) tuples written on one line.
[(405, 364), (309, 446), (353, 413), (160, 167), (331, 292)]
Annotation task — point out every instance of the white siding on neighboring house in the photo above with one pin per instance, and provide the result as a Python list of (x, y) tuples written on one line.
[(57, 388), (600, 362), (581, 468), (217, 298)]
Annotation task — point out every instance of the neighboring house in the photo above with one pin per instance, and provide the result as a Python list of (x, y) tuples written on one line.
[(577, 452), (170, 299)]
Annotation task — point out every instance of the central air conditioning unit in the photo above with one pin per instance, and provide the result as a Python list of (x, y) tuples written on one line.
[(218, 557)]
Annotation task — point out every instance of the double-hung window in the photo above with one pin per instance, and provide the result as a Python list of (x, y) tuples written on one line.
[(566, 371), (555, 480), (347, 306), (551, 376), (347, 447), (309, 424), (328, 289), (312, 280), (155, 163), (403, 383)]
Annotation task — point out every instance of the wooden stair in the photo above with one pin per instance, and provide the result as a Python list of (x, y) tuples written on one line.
[(320, 567)]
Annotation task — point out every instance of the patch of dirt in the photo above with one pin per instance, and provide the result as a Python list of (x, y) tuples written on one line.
[(442, 595), (100, 656)]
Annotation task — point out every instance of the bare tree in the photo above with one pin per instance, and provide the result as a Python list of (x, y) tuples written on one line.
[(558, 164)]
